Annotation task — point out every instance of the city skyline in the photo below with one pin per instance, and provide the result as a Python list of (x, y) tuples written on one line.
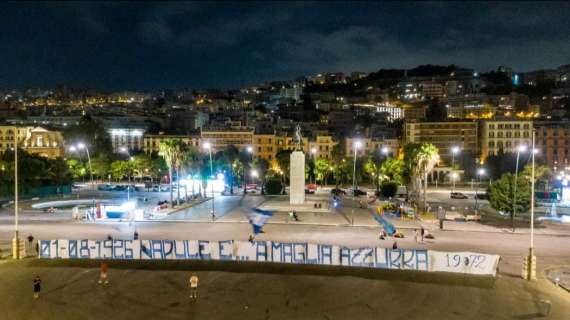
[(134, 46)]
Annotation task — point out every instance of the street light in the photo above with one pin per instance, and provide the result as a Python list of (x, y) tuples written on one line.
[(16, 240), (520, 148), (531, 258), (480, 172), (208, 147), (454, 150), (254, 173), (385, 151), (82, 146), (356, 146)]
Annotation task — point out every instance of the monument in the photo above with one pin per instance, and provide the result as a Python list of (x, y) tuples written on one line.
[(297, 170)]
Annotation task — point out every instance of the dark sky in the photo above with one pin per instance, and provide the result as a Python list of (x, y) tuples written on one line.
[(214, 44)]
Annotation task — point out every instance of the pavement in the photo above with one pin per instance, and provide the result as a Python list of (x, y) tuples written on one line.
[(150, 290), (559, 276)]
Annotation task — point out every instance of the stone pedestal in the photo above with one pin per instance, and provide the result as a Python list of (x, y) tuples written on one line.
[(297, 176)]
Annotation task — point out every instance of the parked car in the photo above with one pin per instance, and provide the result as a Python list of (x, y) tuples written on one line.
[(458, 195), (311, 188), (338, 192), (482, 196), (105, 187), (358, 192)]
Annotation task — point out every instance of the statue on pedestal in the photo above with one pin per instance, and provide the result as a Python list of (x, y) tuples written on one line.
[(297, 170), (298, 139)]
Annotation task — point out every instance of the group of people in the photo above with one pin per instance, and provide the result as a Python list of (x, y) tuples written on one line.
[(104, 279)]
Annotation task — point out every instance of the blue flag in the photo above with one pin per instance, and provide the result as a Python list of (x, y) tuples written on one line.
[(258, 218), (388, 227)]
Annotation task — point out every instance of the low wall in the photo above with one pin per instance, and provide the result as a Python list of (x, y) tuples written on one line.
[(270, 251)]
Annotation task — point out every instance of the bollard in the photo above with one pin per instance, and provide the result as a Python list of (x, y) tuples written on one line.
[(544, 307)]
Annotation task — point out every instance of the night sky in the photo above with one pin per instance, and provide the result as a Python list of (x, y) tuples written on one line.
[(157, 45)]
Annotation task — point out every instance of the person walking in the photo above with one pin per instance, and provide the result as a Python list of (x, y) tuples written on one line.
[(193, 286), (416, 235), (103, 273), (423, 232), (37, 287)]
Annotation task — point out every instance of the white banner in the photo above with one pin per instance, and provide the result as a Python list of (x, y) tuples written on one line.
[(463, 262), (269, 251)]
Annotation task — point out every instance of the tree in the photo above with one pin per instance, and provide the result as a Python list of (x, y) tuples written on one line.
[(284, 161), (388, 189), (35, 171), (273, 186), (100, 167), (322, 166), (261, 165), (343, 172), (230, 155), (392, 170), (502, 195), (540, 172), (419, 160), (172, 150), (77, 168), (191, 162), (142, 165), (120, 169), (91, 132), (58, 172)]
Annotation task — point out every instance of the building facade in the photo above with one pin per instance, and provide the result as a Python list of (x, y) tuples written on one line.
[(553, 141), (151, 142), (128, 138), (504, 135), (221, 137), (445, 136), (34, 140), (370, 146)]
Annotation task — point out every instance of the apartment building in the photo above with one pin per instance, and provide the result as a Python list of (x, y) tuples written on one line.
[(221, 137), (505, 135), (553, 141), (151, 142), (371, 145), (445, 136)]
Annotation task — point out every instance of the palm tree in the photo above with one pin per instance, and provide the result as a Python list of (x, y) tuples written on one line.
[(419, 160), (171, 150), (190, 160), (230, 155)]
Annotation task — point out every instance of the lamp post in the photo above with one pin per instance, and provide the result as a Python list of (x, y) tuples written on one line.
[(16, 240), (454, 150), (81, 146), (249, 150), (356, 146), (520, 148), (313, 152), (480, 172), (531, 274), (208, 147)]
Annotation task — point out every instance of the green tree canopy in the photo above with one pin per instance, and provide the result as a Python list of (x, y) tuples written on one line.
[(502, 194)]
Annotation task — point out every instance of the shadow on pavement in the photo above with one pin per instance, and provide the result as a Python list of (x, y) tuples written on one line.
[(274, 268)]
